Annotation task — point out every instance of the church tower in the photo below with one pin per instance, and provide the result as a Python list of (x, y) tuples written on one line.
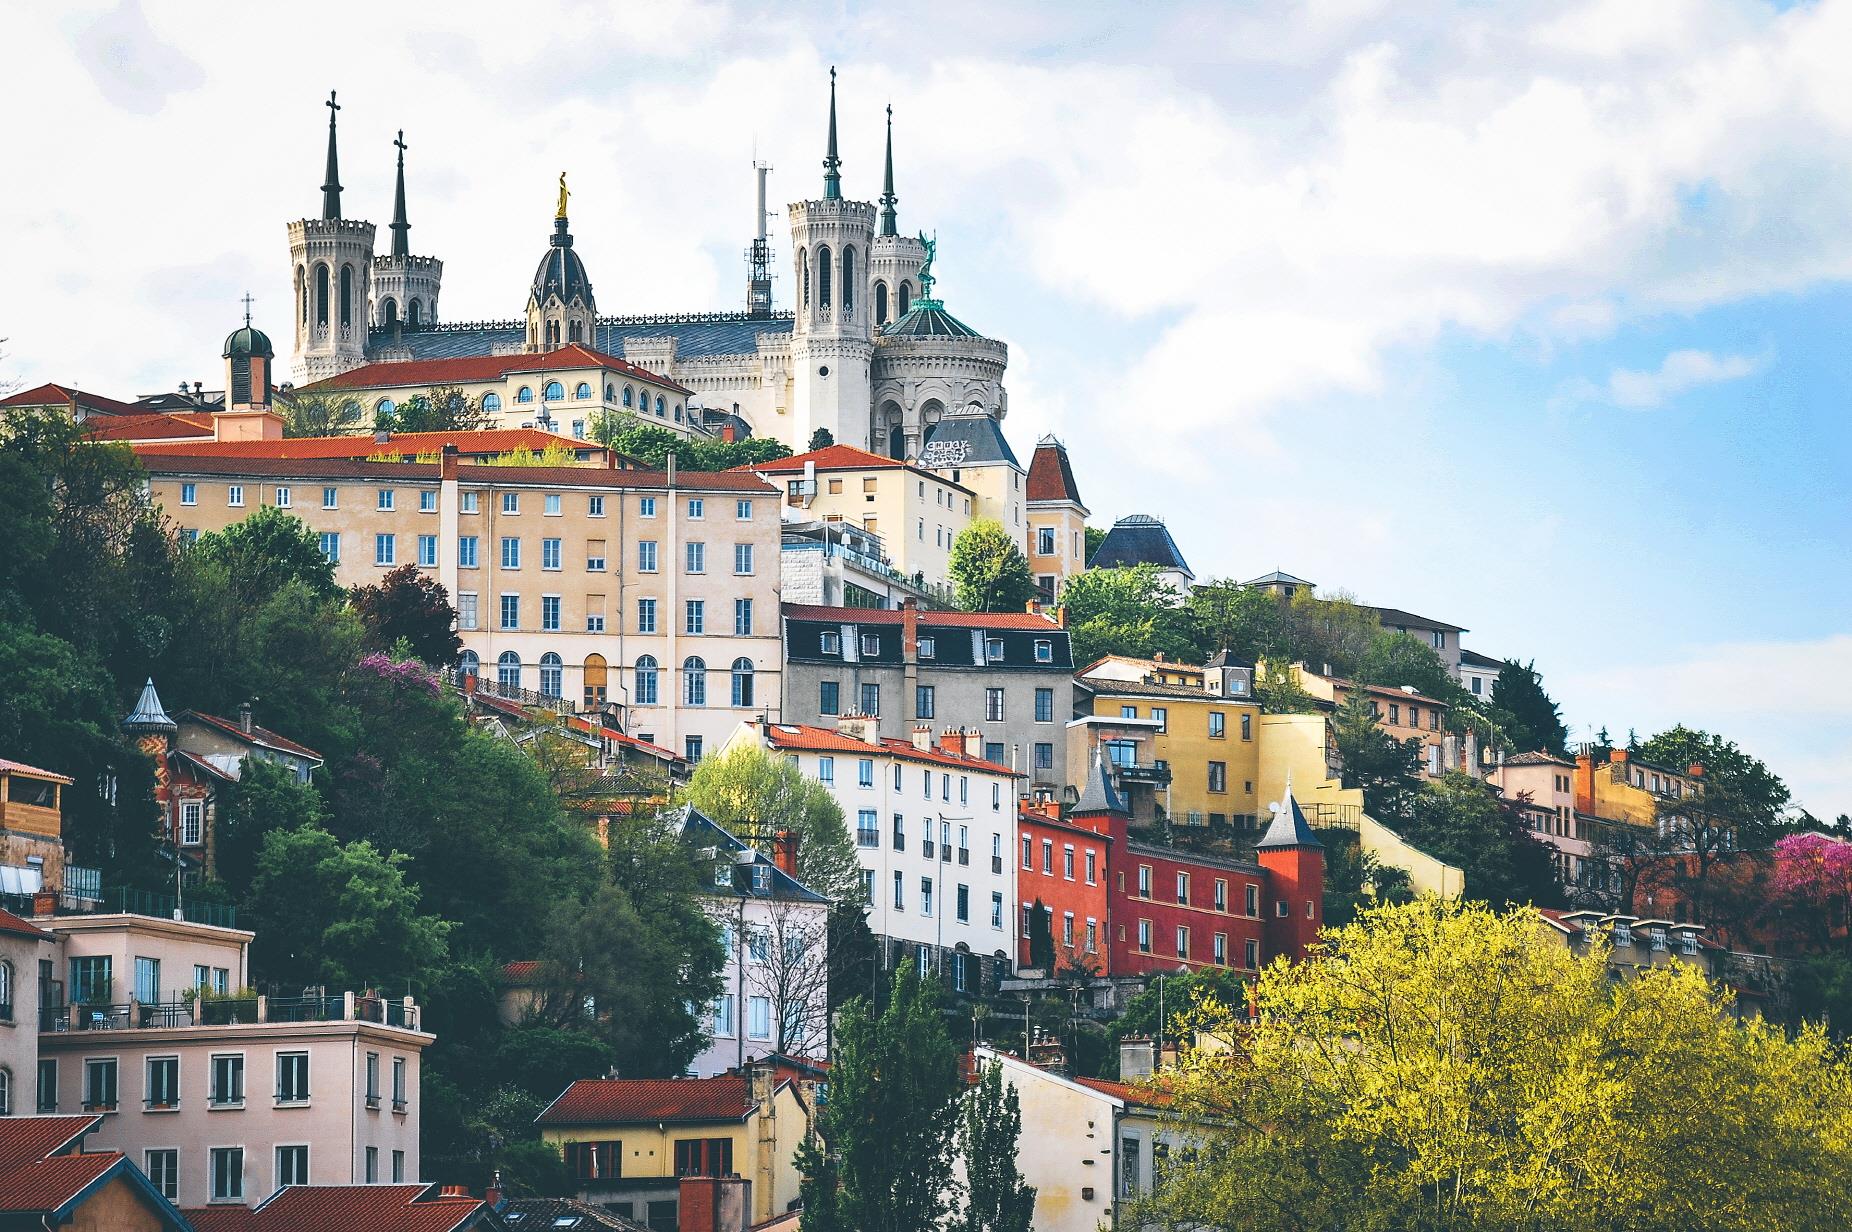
[(560, 308), (333, 261), (404, 287), (832, 341), (895, 260)]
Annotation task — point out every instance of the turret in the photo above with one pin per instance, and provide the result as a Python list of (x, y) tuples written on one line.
[(1295, 864), (247, 414), (332, 260), (560, 307), (405, 287)]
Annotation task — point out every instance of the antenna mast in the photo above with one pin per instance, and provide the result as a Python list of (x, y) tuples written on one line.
[(759, 257)]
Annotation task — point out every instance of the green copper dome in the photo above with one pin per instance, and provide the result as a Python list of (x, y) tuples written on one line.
[(248, 341)]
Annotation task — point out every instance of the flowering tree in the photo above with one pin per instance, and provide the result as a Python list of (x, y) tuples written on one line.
[(1813, 878)]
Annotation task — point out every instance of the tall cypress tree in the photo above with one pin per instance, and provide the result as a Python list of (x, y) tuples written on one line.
[(888, 1128), (989, 1128)]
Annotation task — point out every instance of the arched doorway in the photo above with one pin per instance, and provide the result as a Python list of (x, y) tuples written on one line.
[(595, 675)]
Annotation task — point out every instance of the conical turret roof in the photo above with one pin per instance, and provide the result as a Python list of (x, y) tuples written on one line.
[(1288, 828), (149, 715), (1100, 795)]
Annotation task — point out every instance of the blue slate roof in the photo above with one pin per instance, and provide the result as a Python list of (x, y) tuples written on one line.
[(967, 440), (697, 335), (1139, 540)]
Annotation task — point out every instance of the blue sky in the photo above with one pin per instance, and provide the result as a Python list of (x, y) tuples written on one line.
[(1526, 316)]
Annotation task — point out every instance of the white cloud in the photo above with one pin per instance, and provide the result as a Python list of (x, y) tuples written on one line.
[(1679, 372)]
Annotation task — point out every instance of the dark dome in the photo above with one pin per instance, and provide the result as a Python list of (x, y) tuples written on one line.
[(248, 341), (927, 318), (561, 272)]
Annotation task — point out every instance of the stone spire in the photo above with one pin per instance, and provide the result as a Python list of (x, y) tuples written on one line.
[(331, 185), (832, 165), (401, 243), (887, 184)]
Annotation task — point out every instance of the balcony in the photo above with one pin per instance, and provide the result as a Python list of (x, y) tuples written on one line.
[(1156, 774), (188, 1012)]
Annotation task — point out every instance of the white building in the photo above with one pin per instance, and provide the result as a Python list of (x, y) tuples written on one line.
[(934, 826)]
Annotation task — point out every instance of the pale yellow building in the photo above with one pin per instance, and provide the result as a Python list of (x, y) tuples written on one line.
[(970, 449), (1057, 538), (654, 592), (914, 513)]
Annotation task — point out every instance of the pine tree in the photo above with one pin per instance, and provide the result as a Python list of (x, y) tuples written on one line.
[(889, 1125), (989, 1128), (1529, 716)]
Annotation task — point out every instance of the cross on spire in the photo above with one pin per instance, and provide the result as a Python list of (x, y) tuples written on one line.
[(247, 309), (401, 245), (888, 198), (331, 182), (832, 165)]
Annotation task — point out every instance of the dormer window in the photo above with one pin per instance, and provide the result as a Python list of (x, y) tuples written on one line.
[(928, 647), (829, 642), (993, 649), (1044, 650), (871, 644), (723, 876), (1623, 934)]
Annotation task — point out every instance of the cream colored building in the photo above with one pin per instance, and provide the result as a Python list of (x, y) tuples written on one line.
[(1057, 538), (969, 448), (914, 513), (654, 592)]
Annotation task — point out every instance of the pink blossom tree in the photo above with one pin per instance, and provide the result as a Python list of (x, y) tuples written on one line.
[(1813, 880)]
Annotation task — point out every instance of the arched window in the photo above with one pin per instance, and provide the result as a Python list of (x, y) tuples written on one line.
[(823, 277), (678, 412), (583, 391), (384, 407), (626, 397), (594, 681), (554, 391), (302, 292), (646, 681), (389, 313), (524, 394), (412, 314), (659, 406), (6, 991), (6, 1091), (906, 298), (742, 681), (321, 295), (610, 393), (573, 330), (470, 664), (551, 674), (803, 270), (694, 681), (347, 296), (848, 281), (491, 402), (508, 670), (880, 303)]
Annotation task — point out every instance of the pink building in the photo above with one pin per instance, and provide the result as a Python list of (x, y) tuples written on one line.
[(219, 1095)]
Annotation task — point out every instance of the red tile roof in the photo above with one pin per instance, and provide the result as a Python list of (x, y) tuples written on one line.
[(521, 972), (828, 740), (466, 368), (935, 619), (485, 443), (14, 925), (257, 735), (1050, 476), (350, 1208), (49, 394), (829, 458), (43, 1168), (1131, 1093), (159, 426), (22, 768), (183, 462), (625, 1101)]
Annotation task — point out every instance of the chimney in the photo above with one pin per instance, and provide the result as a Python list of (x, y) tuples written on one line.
[(381, 436), (863, 727), (453, 1191), (909, 629), (1617, 756), (729, 432), (244, 717), (669, 469), (1695, 770), (951, 740), (1061, 616), (1157, 656), (447, 461), (784, 851), (493, 1194), (712, 1204), (1135, 1057), (922, 737), (974, 742)]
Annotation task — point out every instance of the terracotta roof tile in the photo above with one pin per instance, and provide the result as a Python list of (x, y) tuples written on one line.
[(180, 462), (22, 768), (50, 394), (351, 1208), (466, 368), (829, 458), (623, 1101), (484, 443), (933, 619), (1051, 477), (159, 426), (257, 735), (1131, 1093), (824, 739)]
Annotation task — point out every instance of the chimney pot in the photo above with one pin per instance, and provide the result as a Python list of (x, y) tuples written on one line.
[(244, 718)]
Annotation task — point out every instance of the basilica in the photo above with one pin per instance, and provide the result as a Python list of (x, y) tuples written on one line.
[(866, 353)]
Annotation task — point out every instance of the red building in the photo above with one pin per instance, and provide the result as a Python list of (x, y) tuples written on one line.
[(1171, 909), (1064, 865)]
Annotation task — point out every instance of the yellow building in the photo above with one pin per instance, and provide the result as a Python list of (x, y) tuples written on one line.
[(561, 390), (913, 513), (1402, 713), (1628, 789), (628, 1141), (1200, 735), (970, 449), (1057, 539)]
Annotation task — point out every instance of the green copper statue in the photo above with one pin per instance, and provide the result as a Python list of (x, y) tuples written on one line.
[(932, 250)]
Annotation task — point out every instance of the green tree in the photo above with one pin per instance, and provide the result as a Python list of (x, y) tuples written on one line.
[(989, 1133), (442, 408), (1222, 614), (1401, 660), (1356, 879), (340, 915), (267, 797), (1041, 938), (1395, 1082), (1387, 769), (1094, 537), (756, 795), (820, 439), (410, 606), (1531, 719), (265, 552), (988, 569), (321, 413), (888, 1129), (1755, 790), (1328, 632), (1125, 611), (1458, 819), (1280, 692)]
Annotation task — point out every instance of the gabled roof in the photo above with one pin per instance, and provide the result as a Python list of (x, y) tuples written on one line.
[(12, 925), (700, 830), (45, 1176), (1472, 658), (20, 767), (1139, 539), (350, 1208), (1539, 758), (465, 369), (630, 1101), (1132, 1093), (485, 443), (563, 1215), (1288, 827), (1051, 477), (1395, 617), (259, 737), (1277, 578), (50, 394), (965, 440), (188, 425), (828, 458), (826, 740)]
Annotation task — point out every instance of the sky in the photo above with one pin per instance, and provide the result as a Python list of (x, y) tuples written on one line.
[(1526, 316)]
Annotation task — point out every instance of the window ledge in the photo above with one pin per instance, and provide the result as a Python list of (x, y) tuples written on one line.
[(293, 1103)]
